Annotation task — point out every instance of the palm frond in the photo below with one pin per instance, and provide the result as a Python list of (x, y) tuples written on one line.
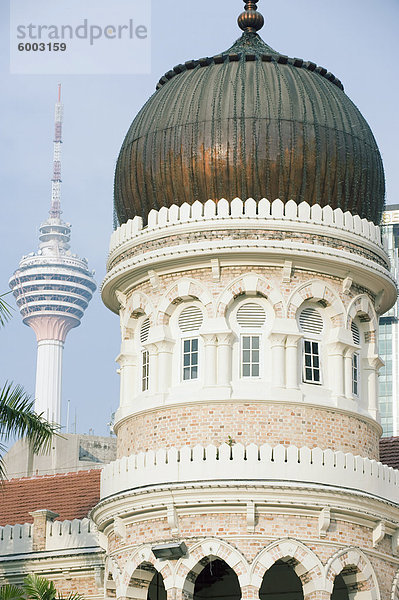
[(18, 419), (5, 310), (11, 592), (39, 588), (71, 596)]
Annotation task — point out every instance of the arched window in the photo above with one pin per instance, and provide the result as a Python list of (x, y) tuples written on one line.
[(250, 317), (355, 360), (340, 590), (145, 356), (217, 581), (157, 591), (281, 583), (311, 323), (190, 321)]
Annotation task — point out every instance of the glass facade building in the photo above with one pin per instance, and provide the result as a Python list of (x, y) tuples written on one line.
[(389, 334)]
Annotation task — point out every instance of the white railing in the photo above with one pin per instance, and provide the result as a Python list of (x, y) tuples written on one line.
[(16, 539), (71, 534), (237, 209), (251, 463)]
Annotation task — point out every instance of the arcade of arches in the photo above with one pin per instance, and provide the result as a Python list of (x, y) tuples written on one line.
[(218, 581)]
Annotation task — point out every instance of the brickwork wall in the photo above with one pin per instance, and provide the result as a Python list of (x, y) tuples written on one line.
[(257, 423), (82, 584), (227, 274), (232, 528)]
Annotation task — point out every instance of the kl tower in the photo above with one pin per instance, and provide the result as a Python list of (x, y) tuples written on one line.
[(52, 288)]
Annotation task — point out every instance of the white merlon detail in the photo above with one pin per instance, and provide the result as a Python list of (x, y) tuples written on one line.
[(79, 533), (237, 209), (379, 532), (298, 466), (16, 539), (60, 535), (324, 521)]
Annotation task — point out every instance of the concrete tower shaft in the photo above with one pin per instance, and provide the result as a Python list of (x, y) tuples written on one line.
[(52, 288)]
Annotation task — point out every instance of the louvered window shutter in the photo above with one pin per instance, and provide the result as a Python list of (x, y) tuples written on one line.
[(190, 319), (251, 315), (145, 330), (355, 333), (310, 321)]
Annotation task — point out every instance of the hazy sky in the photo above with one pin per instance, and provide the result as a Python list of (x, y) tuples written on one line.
[(356, 40)]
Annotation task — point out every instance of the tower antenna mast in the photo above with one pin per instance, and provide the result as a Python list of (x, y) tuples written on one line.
[(55, 210)]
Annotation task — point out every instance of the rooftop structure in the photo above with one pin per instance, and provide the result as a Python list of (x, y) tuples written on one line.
[(52, 288)]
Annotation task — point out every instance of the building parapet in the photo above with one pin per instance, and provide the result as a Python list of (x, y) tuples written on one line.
[(16, 539), (79, 533), (250, 209), (59, 535), (252, 463)]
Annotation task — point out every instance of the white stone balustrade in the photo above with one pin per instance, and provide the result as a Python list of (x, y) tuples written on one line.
[(264, 464), (237, 209)]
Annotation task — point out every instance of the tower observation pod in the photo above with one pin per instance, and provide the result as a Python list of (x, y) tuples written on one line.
[(52, 288)]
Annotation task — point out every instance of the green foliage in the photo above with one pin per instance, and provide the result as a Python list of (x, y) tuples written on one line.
[(35, 588), (5, 310), (17, 415)]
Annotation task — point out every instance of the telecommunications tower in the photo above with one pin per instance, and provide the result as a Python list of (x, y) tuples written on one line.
[(52, 288)]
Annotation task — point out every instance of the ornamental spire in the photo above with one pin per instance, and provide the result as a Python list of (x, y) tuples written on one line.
[(250, 20)]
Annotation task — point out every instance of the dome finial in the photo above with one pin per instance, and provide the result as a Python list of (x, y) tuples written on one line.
[(251, 20)]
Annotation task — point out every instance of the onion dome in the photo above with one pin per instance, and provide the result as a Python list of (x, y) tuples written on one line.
[(249, 123)]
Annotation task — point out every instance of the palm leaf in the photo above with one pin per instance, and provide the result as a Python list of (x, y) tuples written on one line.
[(11, 592), (71, 596), (18, 419), (5, 310), (39, 588)]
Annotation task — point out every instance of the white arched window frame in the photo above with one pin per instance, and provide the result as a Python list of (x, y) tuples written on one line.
[(145, 355), (248, 319), (312, 325), (356, 337), (189, 322)]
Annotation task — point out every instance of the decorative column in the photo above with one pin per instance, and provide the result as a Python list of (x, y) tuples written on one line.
[(210, 344), (164, 351), (372, 365), (277, 341), (348, 356), (291, 361), (224, 358), (153, 367), (127, 360), (336, 368)]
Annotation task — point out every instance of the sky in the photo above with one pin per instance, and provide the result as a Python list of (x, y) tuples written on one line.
[(354, 39)]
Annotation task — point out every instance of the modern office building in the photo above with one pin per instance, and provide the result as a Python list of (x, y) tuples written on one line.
[(389, 333)]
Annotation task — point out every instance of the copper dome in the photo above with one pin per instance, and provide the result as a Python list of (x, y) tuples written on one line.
[(251, 123)]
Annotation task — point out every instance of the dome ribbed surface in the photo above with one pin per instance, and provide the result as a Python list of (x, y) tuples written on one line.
[(249, 123)]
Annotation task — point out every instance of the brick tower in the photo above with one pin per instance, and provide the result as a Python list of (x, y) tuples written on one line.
[(248, 425)]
